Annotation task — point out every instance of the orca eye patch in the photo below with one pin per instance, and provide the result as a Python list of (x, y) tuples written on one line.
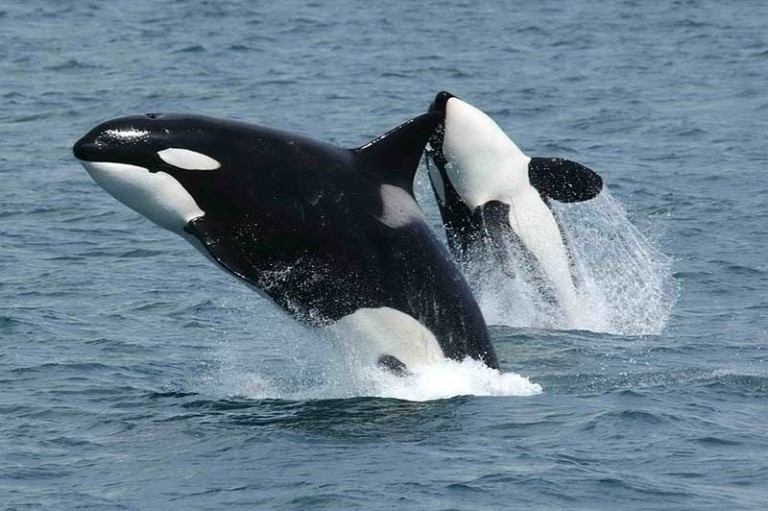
[(187, 159)]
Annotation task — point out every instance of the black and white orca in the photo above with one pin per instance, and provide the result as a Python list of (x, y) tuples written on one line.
[(332, 236), (491, 195)]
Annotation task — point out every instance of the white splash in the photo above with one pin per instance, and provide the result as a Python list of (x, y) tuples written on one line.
[(447, 379), (624, 282), (335, 378), (284, 360)]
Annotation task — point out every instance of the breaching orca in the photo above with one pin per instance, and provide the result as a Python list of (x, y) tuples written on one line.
[(490, 194), (332, 236)]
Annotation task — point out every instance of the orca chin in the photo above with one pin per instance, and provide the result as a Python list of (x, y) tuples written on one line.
[(157, 196), (490, 193), (332, 236)]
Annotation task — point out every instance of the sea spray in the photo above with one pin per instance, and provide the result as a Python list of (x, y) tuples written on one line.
[(624, 281), (273, 357), (336, 378)]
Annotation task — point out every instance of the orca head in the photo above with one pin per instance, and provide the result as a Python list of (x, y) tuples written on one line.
[(472, 155), (157, 164), (481, 163)]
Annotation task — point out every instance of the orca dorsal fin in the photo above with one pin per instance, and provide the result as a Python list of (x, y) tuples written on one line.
[(395, 155)]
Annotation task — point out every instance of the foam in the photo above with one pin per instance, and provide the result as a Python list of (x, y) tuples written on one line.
[(447, 379), (442, 380)]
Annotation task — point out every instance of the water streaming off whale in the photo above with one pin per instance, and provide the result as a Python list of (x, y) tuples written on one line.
[(624, 281)]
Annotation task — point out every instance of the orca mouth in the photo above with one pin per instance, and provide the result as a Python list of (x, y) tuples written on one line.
[(86, 149), (436, 157), (434, 149)]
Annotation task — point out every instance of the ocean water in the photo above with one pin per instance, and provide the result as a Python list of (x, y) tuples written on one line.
[(137, 376)]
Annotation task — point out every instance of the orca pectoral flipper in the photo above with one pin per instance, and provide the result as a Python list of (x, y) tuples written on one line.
[(219, 247), (564, 180)]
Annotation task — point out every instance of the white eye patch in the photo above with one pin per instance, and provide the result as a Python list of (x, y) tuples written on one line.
[(188, 160)]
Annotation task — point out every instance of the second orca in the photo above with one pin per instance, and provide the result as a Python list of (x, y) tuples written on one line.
[(492, 196)]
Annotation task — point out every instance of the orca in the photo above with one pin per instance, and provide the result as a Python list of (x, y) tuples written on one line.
[(492, 196), (332, 236)]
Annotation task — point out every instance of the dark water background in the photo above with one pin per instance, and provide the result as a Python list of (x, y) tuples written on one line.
[(133, 372)]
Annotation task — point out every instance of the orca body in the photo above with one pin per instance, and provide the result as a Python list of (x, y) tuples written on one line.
[(492, 196), (332, 236)]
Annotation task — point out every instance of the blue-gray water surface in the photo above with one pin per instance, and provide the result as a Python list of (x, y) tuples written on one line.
[(133, 371)]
